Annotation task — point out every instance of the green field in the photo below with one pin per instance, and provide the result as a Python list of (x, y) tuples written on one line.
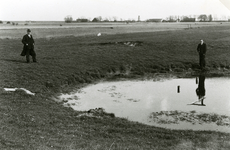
[(71, 57)]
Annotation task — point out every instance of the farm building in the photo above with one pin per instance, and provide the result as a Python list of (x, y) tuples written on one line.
[(154, 20)]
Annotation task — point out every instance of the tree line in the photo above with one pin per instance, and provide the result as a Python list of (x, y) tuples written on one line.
[(191, 18), (69, 19), (201, 18)]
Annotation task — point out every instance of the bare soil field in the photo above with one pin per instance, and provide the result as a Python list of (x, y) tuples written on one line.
[(69, 58)]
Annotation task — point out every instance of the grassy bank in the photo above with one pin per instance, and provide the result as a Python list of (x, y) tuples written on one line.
[(38, 122)]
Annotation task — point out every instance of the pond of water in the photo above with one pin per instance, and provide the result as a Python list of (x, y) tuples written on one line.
[(198, 102)]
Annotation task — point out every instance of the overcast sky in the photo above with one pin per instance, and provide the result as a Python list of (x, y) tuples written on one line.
[(57, 10)]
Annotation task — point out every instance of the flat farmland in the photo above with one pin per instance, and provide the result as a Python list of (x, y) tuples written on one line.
[(53, 29), (74, 56)]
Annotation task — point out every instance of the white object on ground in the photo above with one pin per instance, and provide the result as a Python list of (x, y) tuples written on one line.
[(99, 34), (14, 89), (10, 89)]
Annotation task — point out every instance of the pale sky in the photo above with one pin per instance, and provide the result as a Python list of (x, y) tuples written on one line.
[(57, 10)]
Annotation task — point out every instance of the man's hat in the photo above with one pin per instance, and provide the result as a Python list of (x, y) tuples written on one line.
[(28, 30)]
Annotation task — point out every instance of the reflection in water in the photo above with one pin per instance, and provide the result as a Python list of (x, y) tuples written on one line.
[(200, 91)]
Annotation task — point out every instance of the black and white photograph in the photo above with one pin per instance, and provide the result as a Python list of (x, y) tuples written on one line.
[(114, 74)]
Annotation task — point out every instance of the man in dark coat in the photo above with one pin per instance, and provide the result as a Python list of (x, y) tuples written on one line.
[(28, 48), (201, 49)]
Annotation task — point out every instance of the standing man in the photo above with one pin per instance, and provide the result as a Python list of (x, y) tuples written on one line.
[(201, 49), (28, 48)]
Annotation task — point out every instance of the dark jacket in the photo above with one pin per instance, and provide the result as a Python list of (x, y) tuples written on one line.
[(28, 43), (202, 49)]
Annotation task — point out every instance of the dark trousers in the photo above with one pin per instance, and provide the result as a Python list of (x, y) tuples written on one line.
[(202, 61), (32, 53)]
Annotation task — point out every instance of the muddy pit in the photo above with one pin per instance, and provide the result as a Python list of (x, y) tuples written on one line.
[(193, 103), (127, 43)]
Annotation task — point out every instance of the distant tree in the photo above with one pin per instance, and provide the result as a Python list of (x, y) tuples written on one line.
[(115, 19), (182, 18), (68, 19), (210, 18), (1, 22), (99, 18), (203, 18), (95, 20), (14, 23), (110, 19), (130, 20), (223, 17), (8, 22), (172, 18), (106, 20), (195, 16)]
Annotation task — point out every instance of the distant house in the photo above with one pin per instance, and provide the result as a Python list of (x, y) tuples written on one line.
[(154, 20), (82, 20)]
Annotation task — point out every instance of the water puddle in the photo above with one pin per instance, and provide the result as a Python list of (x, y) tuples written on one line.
[(195, 103)]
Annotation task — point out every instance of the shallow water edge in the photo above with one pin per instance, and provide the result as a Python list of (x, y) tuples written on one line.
[(120, 99)]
